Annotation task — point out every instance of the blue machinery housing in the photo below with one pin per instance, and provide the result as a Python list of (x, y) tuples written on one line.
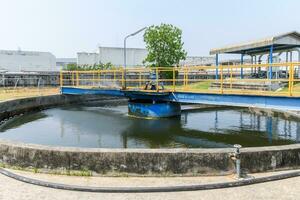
[(165, 104)]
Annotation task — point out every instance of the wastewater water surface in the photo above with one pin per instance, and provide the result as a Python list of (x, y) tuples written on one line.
[(111, 127)]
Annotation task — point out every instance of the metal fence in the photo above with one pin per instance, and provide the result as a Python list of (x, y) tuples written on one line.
[(278, 79)]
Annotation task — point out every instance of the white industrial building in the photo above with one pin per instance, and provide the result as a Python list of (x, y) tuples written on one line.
[(63, 62), (17, 61), (114, 55), (134, 57)]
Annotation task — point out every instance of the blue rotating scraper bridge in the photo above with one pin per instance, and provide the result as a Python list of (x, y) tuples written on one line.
[(165, 104)]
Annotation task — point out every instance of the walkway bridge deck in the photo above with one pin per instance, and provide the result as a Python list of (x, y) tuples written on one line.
[(195, 84)]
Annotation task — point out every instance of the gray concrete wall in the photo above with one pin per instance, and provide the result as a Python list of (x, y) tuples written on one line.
[(133, 161)]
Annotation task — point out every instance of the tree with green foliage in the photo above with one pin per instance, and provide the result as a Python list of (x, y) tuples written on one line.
[(164, 45)]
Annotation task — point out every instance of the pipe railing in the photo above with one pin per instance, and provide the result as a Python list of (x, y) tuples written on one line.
[(200, 79)]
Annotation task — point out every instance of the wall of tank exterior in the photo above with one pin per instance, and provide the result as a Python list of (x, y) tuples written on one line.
[(15, 61)]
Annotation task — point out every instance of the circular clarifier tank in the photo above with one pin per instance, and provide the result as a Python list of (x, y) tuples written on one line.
[(112, 127)]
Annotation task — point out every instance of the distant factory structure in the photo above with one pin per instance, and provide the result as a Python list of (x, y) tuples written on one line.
[(114, 55), (27, 61), (134, 57)]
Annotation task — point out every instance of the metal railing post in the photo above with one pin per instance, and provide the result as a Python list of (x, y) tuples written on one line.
[(290, 79), (77, 78), (230, 77), (140, 79), (61, 79), (221, 79), (174, 74), (157, 79)]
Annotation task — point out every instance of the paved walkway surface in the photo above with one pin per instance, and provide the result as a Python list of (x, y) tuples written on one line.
[(11, 189)]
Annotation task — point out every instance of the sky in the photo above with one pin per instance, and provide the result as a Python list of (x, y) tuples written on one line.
[(65, 27)]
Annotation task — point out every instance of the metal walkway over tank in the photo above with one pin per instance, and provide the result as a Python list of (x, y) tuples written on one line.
[(198, 84)]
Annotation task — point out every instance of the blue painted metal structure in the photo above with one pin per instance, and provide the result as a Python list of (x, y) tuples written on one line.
[(154, 110), (271, 61), (242, 62), (272, 102), (217, 65)]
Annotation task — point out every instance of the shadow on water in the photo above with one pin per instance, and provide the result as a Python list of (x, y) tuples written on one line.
[(20, 120), (111, 127)]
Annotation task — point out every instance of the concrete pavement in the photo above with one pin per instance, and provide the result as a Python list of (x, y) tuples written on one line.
[(11, 189)]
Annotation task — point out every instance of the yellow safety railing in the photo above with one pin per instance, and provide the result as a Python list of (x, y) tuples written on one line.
[(223, 79)]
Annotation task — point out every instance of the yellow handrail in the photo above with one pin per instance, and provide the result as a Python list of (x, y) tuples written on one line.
[(193, 79)]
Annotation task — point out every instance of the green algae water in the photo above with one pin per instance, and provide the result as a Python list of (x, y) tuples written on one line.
[(111, 127)]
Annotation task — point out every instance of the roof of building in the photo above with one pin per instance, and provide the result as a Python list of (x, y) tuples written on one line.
[(24, 53), (284, 41)]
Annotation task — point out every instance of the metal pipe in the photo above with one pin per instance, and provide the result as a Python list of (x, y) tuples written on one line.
[(130, 35), (286, 60), (242, 62), (271, 61), (217, 65), (237, 159), (298, 60)]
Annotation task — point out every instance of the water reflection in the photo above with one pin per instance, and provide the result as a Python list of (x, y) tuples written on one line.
[(111, 127)]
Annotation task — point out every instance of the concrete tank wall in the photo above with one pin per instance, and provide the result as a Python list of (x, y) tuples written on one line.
[(133, 161)]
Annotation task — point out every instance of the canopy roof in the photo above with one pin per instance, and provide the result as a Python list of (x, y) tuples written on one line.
[(280, 42)]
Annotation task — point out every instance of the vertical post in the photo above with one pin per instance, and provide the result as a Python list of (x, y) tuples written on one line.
[(140, 79), (124, 74), (252, 65), (271, 61), (242, 62), (217, 65), (255, 62), (99, 78), (60, 79), (123, 86), (286, 60), (290, 78), (77, 78), (73, 83), (291, 60), (157, 79), (231, 77), (221, 67), (174, 74), (187, 77), (93, 80), (114, 76)]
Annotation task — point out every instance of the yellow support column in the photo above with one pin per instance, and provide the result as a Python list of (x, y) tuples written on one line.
[(291, 75), (292, 79), (61, 78), (77, 78), (174, 74), (140, 80), (187, 78), (221, 78), (99, 78), (93, 78), (157, 79), (122, 79), (73, 83), (230, 77), (114, 76), (184, 78)]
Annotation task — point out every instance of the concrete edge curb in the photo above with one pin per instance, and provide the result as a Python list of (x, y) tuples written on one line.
[(181, 188)]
